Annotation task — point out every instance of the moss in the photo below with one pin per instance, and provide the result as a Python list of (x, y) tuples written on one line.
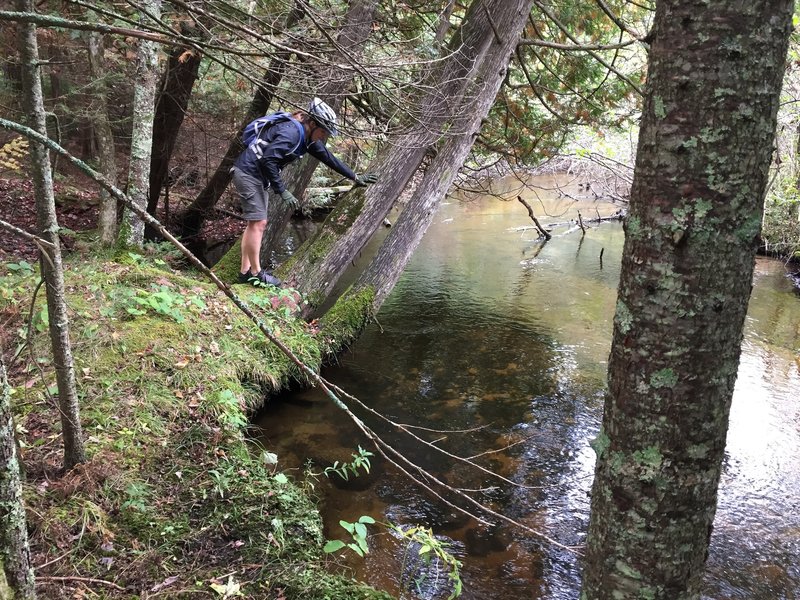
[(171, 485), (601, 443), (346, 319), (624, 318), (665, 378), (227, 268)]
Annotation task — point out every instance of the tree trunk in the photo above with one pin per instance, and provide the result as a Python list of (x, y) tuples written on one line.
[(14, 548), (52, 269), (385, 269), (714, 80), (191, 219), (318, 264), (175, 90), (132, 231), (107, 222), (354, 34)]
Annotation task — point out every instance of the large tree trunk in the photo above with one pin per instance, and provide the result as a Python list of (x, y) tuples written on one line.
[(14, 548), (354, 34), (704, 152), (52, 269), (107, 222), (318, 264), (175, 90), (190, 221), (386, 267), (132, 231)]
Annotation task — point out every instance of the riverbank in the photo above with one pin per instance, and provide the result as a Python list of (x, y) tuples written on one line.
[(173, 500)]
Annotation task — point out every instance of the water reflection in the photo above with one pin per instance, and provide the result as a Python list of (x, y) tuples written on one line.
[(488, 329)]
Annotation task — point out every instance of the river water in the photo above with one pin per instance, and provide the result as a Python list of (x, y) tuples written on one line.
[(489, 331)]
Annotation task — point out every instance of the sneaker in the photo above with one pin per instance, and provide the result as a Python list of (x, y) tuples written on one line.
[(263, 277), (244, 277)]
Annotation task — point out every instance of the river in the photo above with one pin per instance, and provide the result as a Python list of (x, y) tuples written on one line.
[(489, 331)]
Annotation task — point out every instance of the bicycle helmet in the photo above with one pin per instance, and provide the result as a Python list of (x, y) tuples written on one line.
[(324, 115)]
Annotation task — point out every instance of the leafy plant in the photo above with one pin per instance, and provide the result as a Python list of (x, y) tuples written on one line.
[(345, 469), (23, 267), (430, 549), (137, 494), (161, 300), (357, 531)]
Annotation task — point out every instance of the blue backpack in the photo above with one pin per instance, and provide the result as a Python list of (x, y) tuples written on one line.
[(251, 136)]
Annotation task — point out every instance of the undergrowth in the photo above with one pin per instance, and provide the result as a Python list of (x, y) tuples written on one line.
[(172, 502)]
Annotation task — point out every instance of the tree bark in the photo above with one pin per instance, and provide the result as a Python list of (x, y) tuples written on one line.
[(354, 34), (319, 263), (132, 231), (14, 548), (190, 221), (704, 152), (385, 269), (175, 91), (104, 136), (52, 269)]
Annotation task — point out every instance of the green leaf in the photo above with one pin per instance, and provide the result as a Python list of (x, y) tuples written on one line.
[(366, 519), (281, 478), (425, 548), (350, 527), (356, 549), (333, 546), (269, 458), (361, 530)]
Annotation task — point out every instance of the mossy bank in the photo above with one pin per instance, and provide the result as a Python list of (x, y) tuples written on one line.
[(173, 501)]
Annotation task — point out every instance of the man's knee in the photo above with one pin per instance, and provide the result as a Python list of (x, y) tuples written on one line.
[(258, 226)]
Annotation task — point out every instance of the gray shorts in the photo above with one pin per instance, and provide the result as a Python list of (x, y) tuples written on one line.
[(253, 196)]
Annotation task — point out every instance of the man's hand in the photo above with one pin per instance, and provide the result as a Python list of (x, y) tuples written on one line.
[(365, 180), (292, 202)]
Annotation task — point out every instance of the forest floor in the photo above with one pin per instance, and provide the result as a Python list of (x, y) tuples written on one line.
[(78, 211), (174, 500)]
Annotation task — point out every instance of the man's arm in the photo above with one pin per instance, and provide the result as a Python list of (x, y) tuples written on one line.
[(322, 154)]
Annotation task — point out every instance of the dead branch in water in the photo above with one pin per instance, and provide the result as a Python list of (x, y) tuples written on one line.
[(541, 229)]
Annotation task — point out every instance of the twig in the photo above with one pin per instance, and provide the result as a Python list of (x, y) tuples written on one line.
[(541, 229), (580, 222), (82, 580), (24, 234), (50, 562), (229, 213)]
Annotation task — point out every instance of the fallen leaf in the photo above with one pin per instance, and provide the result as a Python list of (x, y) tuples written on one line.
[(166, 583)]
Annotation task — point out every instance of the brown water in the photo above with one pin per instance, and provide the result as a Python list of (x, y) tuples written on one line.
[(486, 328)]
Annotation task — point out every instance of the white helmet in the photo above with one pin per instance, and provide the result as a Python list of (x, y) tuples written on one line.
[(324, 115)]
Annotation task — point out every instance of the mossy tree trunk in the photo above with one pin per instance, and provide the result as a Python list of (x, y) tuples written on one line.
[(104, 138), (352, 37), (132, 231), (319, 263), (174, 92), (14, 548), (704, 152), (191, 220), (385, 269), (52, 269)]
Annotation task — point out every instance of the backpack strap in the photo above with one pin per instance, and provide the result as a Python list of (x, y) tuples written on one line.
[(258, 145)]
